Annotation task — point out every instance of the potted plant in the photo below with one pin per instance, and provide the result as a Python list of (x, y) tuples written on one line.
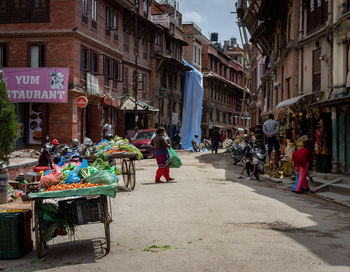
[(8, 134)]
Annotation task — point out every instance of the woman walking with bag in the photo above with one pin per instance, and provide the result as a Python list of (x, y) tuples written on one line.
[(162, 156)]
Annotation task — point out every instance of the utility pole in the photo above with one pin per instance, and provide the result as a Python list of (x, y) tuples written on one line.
[(136, 51)]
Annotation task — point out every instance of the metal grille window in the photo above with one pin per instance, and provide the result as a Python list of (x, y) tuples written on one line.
[(316, 70)]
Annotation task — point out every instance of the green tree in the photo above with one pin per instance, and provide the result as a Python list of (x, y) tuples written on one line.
[(8, 124)]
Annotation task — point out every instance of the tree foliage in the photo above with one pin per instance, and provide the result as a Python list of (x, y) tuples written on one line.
[(8, 124)]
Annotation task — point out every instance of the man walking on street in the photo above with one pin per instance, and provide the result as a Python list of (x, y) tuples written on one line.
[(270, 129), (215, 138)]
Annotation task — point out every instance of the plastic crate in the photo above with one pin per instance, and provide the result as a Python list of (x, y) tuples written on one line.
[(84, 210), (11, 235)]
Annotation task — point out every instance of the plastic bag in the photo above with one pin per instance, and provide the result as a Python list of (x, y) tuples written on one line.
[(175, 161), (102, 177), (73, 176), (62, 161), (52, 178)]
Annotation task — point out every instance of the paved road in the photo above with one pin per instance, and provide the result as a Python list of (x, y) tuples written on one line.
[(207, 220)]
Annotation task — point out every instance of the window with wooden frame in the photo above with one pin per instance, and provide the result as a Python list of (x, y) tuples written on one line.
[(288, 87), (316, 70), (107, 70), (144, 49), (24, 11), (115, 24), (317, 14), (84, 62), (3, 55), (289, 27), (175, 81), (144, 86), (84, 11), (116, 73), (125, 80), (126, 39), (145, 8), (36, 55), (94, 13), (94, 62), (109, 20)]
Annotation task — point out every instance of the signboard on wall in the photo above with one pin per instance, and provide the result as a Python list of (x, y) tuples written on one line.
[(161, 19), (35, 123), (82, 102), (39, 85)]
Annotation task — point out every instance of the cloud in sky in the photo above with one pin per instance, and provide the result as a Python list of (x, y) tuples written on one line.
[(193, 16), (212, 16)]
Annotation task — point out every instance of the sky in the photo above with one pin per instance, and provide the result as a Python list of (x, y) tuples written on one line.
[(212, 16)]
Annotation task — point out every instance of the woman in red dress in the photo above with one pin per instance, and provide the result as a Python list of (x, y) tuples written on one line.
[(302, 159)]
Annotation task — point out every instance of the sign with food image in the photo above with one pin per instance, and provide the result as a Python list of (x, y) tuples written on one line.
[(35, 123)]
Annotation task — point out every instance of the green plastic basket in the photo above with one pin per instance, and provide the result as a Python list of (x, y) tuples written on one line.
[(12, 243)]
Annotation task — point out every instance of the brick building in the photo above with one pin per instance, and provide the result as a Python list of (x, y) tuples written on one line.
[(168, 67), (223, 92), (96, 41)]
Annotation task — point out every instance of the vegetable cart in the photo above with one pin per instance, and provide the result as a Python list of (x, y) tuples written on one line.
[(128, 167), (99, 195)]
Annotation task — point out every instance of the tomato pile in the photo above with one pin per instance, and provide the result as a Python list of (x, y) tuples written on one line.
[(113, 151), (80, 185)]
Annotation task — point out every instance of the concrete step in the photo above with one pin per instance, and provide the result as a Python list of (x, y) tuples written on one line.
[(345, 200)]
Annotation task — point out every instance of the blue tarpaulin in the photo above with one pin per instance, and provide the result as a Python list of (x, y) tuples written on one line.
[(192, 107)]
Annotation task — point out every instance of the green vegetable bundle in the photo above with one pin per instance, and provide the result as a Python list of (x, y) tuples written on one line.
[(100, 164), (84, 172), (130, 148)]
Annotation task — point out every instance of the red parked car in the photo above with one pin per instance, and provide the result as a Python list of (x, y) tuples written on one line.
[(142, 141)]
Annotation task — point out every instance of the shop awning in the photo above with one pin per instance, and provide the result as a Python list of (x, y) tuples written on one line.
[(331, 102), (298, 101), (129, 105)]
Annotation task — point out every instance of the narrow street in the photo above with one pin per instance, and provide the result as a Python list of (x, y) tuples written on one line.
[(207, 220)]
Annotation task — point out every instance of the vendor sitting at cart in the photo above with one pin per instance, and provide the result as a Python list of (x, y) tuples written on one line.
[(107, 130), (161, 154)]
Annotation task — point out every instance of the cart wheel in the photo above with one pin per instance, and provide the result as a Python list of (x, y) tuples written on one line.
[(106, 221), (125, 173), (39, 244), (132, 175)]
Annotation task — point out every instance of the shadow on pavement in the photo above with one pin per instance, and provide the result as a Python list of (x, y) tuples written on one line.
[(59, 255), (328, 239)]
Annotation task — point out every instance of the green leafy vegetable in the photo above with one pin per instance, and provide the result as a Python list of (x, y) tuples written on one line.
[(84, 172)]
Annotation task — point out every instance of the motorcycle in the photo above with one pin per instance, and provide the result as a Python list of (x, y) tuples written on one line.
[(208, 145)]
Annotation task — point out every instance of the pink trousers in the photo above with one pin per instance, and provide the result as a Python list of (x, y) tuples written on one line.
[(162, 172), (302, 182)]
